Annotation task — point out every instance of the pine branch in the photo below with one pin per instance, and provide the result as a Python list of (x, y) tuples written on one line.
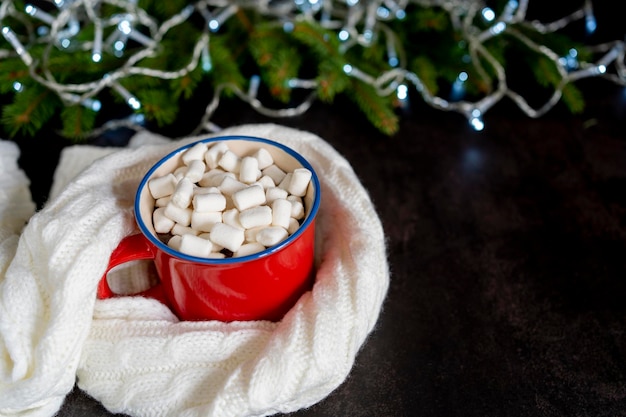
[(278, 59), (30, 110), (378, 109), (77, 122)]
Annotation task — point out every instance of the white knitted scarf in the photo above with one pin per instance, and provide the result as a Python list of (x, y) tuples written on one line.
[(132, 354)]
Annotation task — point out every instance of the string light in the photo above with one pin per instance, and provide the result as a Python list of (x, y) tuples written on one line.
[(354, 22), (9, 35), (39, 14)]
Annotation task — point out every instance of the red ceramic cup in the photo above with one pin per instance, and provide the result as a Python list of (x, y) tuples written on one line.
[(260, 286)]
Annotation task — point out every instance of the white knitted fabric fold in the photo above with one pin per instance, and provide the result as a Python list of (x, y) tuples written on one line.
[(132, 354)]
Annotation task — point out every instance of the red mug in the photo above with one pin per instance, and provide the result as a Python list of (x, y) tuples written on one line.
[(260, 286)]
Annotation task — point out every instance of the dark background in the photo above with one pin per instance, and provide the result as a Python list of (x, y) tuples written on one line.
[(507, 250)]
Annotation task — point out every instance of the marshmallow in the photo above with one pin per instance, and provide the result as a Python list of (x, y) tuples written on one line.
[(275, 173), (248, 249), (265, 181), (249, 197), (264, 158), (284, 184), (250, 234), (249, 170), (174, 242), (300, 179), (297, 210), (204, 221), (179, 215), (163, 201), (183, 193), (274, 193), (195, 246), (231, 217), (196, 152), (179, 229), (162, 186), (162, 223), (214, 153), (209, 202), (256, 216), (214, 177), (227, 236), (229, 161), (270, 236), (229, 185), (195, 170), (206, 190), (281, 212), (293, 226), (180, 172)]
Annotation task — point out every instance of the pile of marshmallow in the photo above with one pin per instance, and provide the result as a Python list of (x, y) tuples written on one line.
[(218, 204)]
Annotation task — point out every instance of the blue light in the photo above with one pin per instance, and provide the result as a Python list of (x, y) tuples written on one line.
[(591, 24), (477, 123), (402, 92), (488, 14), (134, 103), (214, 25)]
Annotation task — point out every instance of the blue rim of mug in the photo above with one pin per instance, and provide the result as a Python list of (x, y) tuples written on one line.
[(231, 260)]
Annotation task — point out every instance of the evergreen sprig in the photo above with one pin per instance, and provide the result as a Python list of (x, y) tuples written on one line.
[(250, 44)]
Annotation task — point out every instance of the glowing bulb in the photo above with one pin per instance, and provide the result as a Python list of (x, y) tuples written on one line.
[(134, 103), (343, 35), (368, 35), (214, 25), (477, 123), (92, 104), (347, 68), (383, 12), (10, 36), (119, 45), (476, 120), (590, 24), (402, 92), (18, 86), (131, 100), (125, 27), (207, 65), (458, 87), (253, 89), (498, 28), (39, 14), (488, 14)]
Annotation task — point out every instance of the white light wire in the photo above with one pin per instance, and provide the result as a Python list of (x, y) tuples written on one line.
[(361, 20)]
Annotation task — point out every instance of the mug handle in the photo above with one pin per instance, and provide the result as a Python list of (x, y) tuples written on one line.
[(131, 248)]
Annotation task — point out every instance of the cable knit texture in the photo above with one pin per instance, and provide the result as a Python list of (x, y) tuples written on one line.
[(132, 354)]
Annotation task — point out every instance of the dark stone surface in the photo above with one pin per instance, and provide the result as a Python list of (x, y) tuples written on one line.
[(508, 256)]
